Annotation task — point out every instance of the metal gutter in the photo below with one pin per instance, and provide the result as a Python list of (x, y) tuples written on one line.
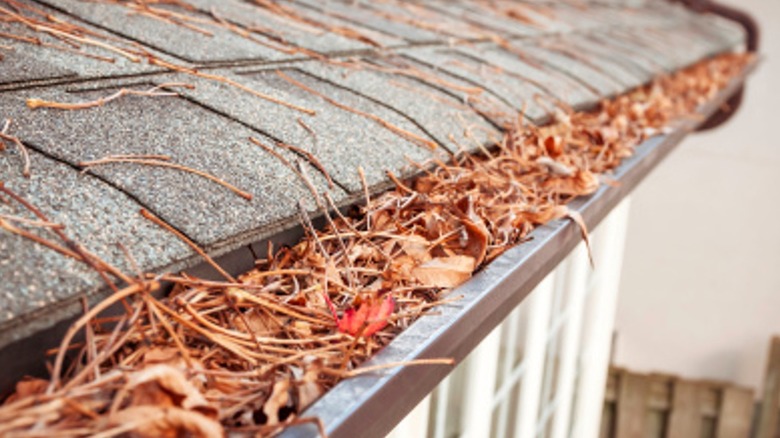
[(752, 42), (372, 404)]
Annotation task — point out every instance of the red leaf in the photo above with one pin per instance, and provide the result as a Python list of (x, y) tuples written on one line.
[(352, 321), (368, 319), (377, 316)]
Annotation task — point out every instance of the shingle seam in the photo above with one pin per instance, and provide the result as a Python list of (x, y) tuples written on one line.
[(517, 75), (473, 22), (453, 95), (255, 129), (624, 59), (16, 83), (593, 66), (363, 25), (613, 45), (335, 53), (455, 75), (586, 31), (52, 82), (566, 73), (366, 52), (98, 177), (378, 102), (116, 32), (483, 33), (238, 63), (648, 45)]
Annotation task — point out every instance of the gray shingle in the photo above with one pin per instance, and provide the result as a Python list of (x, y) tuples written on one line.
[(279, 28), (344, 140), (56, 59), (498, 112), (602, 61), (447, 119), (551, 81), (17, 65), (211, 44), (361, 15), (630, 52), (39, 285), (486, 17), (596, 78), (424, 16), (191, 135), (632, 72), (514, 93)]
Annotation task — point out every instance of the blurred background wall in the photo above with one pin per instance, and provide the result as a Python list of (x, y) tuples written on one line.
[(700, 293)]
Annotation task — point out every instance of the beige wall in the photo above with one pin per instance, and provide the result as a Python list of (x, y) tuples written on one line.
[(700, 294)]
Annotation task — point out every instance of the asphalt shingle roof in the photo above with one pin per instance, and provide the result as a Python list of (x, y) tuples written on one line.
[(451, 73)]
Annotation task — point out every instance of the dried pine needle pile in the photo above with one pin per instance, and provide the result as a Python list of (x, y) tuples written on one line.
[(248, 354)]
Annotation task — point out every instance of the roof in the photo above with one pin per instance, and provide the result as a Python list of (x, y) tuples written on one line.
[(369, 85)]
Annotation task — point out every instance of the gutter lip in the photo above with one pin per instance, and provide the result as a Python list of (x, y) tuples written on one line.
[(372, 404)]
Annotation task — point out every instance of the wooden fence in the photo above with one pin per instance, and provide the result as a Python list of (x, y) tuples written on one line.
[(768, 423), (664, 406)]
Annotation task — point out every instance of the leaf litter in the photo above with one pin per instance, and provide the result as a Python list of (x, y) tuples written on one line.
[(249, 354)]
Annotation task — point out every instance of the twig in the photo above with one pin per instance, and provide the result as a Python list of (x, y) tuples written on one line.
[(289, 13), (400, 185), (309, 130), (297, 171), (307, 225), (159, 222), (68, 36), (415, 73), (19, 146), (152, 92), (414, 138), (162, 163), (31, 222), (366, 193), (38, 42), (39, 240), (348, 223), (230, 82), (86, 318), (100, 266), (311, 158)]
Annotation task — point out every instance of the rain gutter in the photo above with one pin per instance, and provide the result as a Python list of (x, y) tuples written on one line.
[(372, 404)]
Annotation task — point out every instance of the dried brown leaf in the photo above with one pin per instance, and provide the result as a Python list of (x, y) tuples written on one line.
[(155, 422), (446, 272), (309, 386), (164, 385), (280, 398), (27, 387)]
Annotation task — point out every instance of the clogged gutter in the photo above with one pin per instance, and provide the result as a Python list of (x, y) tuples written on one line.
[(248, 354)]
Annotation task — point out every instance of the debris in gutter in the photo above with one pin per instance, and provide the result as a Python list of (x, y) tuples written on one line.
[(248, 355)]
